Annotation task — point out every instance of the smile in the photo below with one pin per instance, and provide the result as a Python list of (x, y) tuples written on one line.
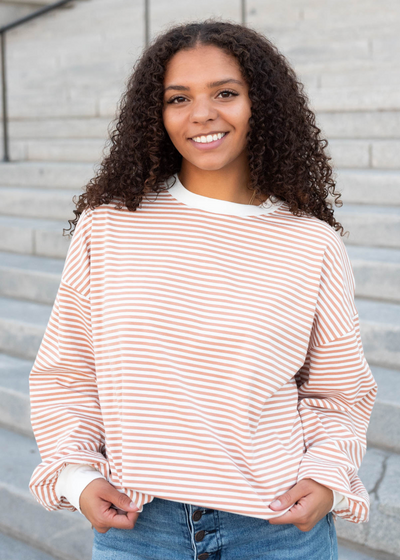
[(209, 141), (209, 138)]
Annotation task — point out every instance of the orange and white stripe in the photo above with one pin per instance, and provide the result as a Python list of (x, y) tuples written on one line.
[(206, 352)]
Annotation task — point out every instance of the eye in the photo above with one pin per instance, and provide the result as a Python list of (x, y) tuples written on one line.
[(172, 101), (228, 91)]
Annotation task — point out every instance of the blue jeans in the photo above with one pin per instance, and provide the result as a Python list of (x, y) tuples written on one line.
[(167, 530)]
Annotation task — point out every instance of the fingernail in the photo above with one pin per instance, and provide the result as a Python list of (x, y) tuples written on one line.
[(133, 505), (276, 503)]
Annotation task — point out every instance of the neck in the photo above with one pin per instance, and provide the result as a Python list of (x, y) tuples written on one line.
[(223, 184)]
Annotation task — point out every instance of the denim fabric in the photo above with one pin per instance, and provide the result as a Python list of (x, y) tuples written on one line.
[(167, 530)]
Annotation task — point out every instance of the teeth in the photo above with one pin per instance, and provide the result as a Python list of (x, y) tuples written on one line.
[(209, 138)]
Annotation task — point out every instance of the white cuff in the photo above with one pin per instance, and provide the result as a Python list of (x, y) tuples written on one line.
[(339, 501), (73, 479)]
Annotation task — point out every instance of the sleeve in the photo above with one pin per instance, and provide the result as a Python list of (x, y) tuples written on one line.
[(65, 409), (339, 501), (336, 389), (72, 481)]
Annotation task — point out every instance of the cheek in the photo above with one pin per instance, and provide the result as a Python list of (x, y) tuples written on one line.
[(173, 123), (240, 117), (167, 123)]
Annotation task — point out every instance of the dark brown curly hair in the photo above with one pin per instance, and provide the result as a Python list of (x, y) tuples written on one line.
[(285, 151)]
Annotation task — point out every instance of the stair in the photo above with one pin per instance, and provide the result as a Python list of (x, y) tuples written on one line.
[(58, 534), (58, 134), (13, 548)]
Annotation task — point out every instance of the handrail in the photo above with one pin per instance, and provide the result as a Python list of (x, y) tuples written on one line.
[(40, 12), (3, 31), (33, 15)]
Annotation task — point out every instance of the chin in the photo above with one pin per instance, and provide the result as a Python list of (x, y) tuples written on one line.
[(208, 166)]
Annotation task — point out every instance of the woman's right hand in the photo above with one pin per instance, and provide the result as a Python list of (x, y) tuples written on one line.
[(98, 502)]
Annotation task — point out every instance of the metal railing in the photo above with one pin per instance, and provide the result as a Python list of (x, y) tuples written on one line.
[(3, 31), (40, 12)]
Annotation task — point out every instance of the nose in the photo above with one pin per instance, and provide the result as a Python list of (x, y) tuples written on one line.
[(202, 110)]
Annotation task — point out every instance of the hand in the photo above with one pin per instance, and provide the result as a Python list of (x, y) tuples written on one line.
[(97, 501), (312, 501)]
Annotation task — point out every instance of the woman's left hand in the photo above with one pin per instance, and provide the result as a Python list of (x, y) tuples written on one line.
[(312, 501)]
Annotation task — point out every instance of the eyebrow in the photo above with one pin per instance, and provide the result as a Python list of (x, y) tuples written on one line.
[(209, 85)]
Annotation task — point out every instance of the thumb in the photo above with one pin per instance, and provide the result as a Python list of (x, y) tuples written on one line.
[(120, 500), (288, 498)]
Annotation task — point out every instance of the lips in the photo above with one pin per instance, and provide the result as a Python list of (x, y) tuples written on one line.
[(202, 146), (207, 133)]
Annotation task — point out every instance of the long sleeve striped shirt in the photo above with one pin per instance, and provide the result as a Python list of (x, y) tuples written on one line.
[(207, 352)]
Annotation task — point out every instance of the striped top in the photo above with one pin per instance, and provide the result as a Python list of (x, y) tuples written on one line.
[(206, 352)]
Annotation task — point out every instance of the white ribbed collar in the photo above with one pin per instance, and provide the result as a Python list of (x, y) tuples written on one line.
[(189, 198)]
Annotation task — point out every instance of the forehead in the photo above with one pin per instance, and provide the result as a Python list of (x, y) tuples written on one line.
[(205, 61)]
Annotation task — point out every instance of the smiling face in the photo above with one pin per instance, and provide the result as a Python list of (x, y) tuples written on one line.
[(205, 93)]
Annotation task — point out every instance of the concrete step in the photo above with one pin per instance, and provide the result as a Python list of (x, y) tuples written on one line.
[(339, 124), (356, 186), (380, 471), (46, 175), (370, 225), (376, 271), (366, 78), (89, 103), (14, 394), (72, 150), (66, 535), (36, 129), (379, 98), (13, 549), (379, 187), (57, 204), (326, 100), (353, 153), (307, 49), (352, 551), (347, 68), (30, 277), (358, 124), (34, 236), (384, 428), (37, 203), (380, 332), (22, 325)]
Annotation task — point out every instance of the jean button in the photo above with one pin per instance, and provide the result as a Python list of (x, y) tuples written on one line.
[(203, 556), (199, 536), (197, 515)]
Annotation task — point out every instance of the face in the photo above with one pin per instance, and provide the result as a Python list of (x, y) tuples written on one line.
[(205, 93)]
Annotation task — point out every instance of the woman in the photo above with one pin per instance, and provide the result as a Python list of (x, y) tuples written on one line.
[(203, 356)]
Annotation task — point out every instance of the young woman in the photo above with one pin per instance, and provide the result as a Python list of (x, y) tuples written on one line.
[(201, 389)]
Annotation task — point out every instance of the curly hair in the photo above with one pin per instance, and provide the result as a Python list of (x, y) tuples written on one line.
[(286, 153)]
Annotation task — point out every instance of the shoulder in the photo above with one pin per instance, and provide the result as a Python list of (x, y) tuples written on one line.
[(310, 229), (98, 215)]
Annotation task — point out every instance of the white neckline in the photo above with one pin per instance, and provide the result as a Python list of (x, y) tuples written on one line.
[(215, 205)]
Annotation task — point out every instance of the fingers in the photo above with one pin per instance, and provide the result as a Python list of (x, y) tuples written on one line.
[(107, 517), (111, 518), (105, 507), (311, 507), (296, 516), (290, 497), (118, 499)]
